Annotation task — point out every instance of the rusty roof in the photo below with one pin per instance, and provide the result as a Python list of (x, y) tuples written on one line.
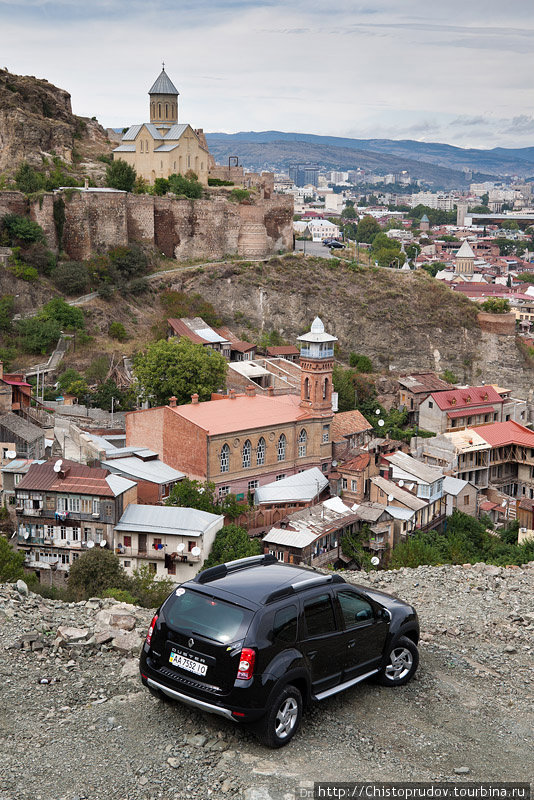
[(356, 464), (419, 382), (346, 423), (181, 329), (78, 479), (283, 350)]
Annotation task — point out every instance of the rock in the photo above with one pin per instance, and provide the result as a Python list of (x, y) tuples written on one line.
[(72, 634), (175, 763), (257, 793), (112, 618), (22, 588), (196, 740), (510, 649), (130, 669), (462, 770), (128, 642), (101, 637)]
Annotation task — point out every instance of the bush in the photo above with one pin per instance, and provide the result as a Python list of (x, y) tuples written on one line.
[(118, 331), (127, 262), (120, 175), (238, 195), (71, 277), (28, 180), (449, 376), (149, 591), (38, 336), (95, 571), (11, 562), (497, 305), (122, 595), (219, 182), (188, 186), (21, 230), (68, 317), (361, 363), (7, 310), (137, 286), (231, 542), (39, 256)]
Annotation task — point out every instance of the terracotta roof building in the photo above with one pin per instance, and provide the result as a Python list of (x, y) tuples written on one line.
[(350, 430), (460, 408)]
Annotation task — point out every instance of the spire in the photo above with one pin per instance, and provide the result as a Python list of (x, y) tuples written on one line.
[(163, 84)]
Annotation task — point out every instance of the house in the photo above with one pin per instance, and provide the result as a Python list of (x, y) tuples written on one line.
[(163, 147), (63, 508), (172, 541), (220, 339), (424, 514), (12, 474), (350, 430), (414, 388), (421, 479), (20, 436), (153, 477), (455, 409), (459, 495), (15, 391), (267, 376), (381, 524), (313, 535), (243, 441), (287, 351), (354, 477), (275, 500), (525, 516)]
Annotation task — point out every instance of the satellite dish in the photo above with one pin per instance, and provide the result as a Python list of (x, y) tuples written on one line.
[(103, 543), (90, 545), (390, 498), (26, 534), (503, 503), (11, 454), (195, 551), (181, 547), (57, 465), (334, 463), (381, 423), (401, 482), (377, 412), (375, 561)]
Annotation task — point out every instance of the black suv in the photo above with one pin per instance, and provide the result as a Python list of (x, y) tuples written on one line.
[(255, 639)]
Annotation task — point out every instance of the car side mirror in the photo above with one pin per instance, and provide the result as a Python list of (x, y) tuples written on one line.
[(385, 615)]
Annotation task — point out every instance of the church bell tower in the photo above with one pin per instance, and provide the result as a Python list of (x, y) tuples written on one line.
[(163, 100), (316, 364)]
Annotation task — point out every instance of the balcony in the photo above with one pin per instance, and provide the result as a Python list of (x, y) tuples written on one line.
[(308, 352), (322, 559), (377, 546)]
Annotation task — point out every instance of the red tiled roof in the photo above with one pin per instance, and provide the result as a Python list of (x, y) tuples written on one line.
[(488, 506), (242, 347), (501, 433), (79, 480), (527, 504), (181, 329), (467, 411), (356, 464), (464, 398), (346, 423), (14, 381), (284, 350)]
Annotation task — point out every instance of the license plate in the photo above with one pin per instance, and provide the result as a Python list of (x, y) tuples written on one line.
[(188, 664)]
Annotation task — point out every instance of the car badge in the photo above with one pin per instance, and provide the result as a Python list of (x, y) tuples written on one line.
[(190, 642)]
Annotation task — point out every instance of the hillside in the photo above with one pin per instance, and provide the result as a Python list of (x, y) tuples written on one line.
[(72, 697), (441, 163), (37, 123)]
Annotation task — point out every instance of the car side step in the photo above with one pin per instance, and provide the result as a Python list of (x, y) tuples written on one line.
[(341, 686)]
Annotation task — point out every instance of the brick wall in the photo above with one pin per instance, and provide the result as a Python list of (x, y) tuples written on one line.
[(497, 323), (145, 428), (13, 203), (185, 446)]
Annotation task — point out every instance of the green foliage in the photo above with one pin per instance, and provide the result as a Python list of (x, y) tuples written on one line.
[(7, 310), (67, 378), (71, 277), (126, 263), (449, 376), (108, 393), (434, 268), (386, 251), (68, 317), (349, 213), (435, 215), (21, 230), (238, 195), (121, 595), (179, 368), (161, 186), (231, 542), (59, 219), (117, 331), (509, 247), (36, 335), (480, 210), (465, 540), (181, 304), (188, 493), (141, 186), (11, 562), (272, 338), (526, 277), (28, 180), (149, 591), (188, 185), (354, 390), (352, 545), (39, 256), (496, 305), (120, 175), (510, 225), (360, 363), (97, 370), (219, 182), (367, 229), (95, 571), (19, 269)]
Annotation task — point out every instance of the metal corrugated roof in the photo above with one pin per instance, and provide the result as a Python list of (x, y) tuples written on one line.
[(131, 133), (290, 538), (163, 85), (125, 148), (391, 489), (453, 485), (166, 519), (414, 468), (177, 130), (303, 486), (155, 471), (153, 130), (166, 148), (118, 484)]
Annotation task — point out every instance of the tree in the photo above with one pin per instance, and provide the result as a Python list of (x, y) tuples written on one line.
[(232, 542), (188, 185), (7, 309), (148, 591), (11, 562), (71, 277), (28, 180), (496, 305), (21, 231), (360, 363), (367, 229), (188, 493), (117, 331), (179, 368), (68, 317), (349, 213), (38, 335), (434, 267), (93, 572), (120, 175), (126, 263)]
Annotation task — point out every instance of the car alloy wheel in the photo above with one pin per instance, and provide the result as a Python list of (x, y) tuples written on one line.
[(400, 663), (286, 717)]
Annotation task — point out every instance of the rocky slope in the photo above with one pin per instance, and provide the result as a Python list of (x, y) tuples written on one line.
[(36, 122), (75, 722)]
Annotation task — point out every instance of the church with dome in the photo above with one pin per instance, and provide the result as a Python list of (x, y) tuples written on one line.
[(165, 146)]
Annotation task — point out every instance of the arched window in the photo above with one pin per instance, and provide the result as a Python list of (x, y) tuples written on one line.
[(247, 450), (146, 145), (166, 111), (325, 389), (202, 166), (303, 441), (282, 448), (225, 458), (174, 166), (306, 388), (142, 145), (260, 452), (159, 110), (188, 161)]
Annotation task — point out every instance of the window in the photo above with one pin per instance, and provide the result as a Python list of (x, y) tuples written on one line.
[(326, 433), (223, 491), (430, 404), (306, 388), (74, 504), (17, 478), (354, 609), (225, 459), (325, 389), (99, 532), (108, 511), (466, 500), (127, 541), (324, 467), (285, 625), (85, 505), (282, 447), (303, 439), (319, 615), (253, 485), (280, 477), (96, 506), (260, 452), (152, 567), (75, 534), (50, 531), (354, 486), (344, 483), (62, 504), (63, 532), (190, 545), (142, 145), (156, 544), (86, 533), (247, 450), (127, 563)]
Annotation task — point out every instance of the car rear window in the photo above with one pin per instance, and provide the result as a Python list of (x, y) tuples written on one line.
[(203, 615)]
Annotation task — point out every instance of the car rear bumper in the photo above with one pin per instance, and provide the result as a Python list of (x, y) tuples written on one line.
[(191, 701)]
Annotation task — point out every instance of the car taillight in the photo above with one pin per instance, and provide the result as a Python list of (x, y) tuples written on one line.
[(246, 664), (151, 629)]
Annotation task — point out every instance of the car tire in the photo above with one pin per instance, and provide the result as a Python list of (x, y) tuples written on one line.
[(400, 663), (281, 722)]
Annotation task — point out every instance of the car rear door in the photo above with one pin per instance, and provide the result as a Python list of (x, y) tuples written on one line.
[(365, 631), (322, 642)]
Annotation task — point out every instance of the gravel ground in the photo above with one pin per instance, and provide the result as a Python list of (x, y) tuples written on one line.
[(76, 724)]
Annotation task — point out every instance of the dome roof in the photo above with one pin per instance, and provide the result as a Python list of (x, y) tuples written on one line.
[(163, 85), (317, 325)]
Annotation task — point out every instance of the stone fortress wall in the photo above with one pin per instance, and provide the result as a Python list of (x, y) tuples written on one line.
[(95, 221)]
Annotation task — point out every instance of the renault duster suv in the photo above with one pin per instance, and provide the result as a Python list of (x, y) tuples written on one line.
[(254, 640)]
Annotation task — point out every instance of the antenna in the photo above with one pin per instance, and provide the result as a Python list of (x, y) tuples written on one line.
[(103, 543), (195, 551), (11, 454), (90, 545), (57, 465)]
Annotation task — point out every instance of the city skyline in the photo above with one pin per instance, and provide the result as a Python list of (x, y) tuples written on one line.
[(460, 75)]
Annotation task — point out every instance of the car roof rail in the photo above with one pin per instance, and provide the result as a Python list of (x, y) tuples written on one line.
[(219, 571), (301, 586)]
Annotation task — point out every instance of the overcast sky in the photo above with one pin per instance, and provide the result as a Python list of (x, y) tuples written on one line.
[(445, 70)]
